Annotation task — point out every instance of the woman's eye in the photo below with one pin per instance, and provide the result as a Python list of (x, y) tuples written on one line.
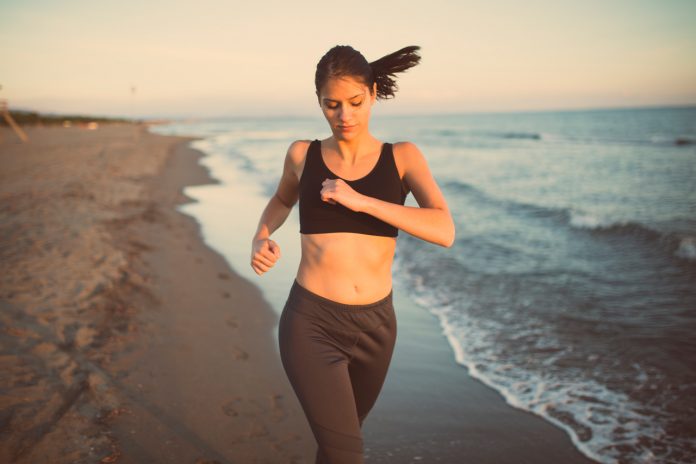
[(334, 106)]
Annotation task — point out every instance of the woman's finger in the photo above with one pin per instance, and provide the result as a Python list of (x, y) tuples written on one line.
[(261, 267), (326, 198), (259, 270), (268, 256), (264, 260)]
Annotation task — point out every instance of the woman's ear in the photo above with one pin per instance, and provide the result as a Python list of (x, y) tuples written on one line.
[(374, 92)]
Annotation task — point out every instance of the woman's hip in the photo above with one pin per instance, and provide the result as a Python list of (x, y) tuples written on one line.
[(308, 308)]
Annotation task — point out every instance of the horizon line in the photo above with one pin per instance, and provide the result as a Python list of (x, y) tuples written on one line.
[(406, 114)]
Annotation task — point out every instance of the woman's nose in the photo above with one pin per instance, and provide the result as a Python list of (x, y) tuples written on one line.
[(344, 114)]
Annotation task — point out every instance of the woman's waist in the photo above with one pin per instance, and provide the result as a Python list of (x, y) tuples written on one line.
[(348, 285), (346, 267)]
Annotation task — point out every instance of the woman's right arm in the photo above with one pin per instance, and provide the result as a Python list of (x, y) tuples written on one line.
[(264, 251)]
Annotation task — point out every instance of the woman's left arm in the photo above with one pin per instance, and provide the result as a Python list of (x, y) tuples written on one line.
[(431, 221)]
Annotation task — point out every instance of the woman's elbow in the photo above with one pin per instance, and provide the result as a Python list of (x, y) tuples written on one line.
[(449, 237), (449, 242)]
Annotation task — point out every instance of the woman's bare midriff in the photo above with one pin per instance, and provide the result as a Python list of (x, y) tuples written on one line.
[(346, 267)]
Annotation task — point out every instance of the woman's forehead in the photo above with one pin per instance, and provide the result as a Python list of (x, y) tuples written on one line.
[(343, 88)]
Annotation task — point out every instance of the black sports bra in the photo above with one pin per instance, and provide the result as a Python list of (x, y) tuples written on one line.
[(318, 217)]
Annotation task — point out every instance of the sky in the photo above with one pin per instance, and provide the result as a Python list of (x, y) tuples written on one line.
[(230, 58)]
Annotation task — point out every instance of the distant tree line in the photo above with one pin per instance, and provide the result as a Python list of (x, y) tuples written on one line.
[(25, 118)]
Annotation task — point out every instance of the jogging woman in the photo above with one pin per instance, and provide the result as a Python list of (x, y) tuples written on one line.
[(338, 327)]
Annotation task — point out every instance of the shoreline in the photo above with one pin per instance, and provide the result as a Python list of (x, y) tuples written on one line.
[(163, 359)]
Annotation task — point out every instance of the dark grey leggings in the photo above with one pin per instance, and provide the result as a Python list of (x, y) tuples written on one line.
[(336, 357)]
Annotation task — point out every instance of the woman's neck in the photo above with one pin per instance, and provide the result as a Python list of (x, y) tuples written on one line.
[(352, 150)]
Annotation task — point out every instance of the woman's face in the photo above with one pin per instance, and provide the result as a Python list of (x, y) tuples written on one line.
[(346, 104)]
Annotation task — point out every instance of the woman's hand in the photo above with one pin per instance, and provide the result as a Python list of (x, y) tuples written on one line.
[(338, 191), (264, 254)]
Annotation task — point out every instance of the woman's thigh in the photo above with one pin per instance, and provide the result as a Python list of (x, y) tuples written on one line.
[(369, 364), (316, 363)]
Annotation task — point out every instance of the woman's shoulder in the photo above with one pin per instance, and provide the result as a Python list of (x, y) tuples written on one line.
[(407, 154), (296, 156), (299, 145), (405, 146), (298, 150)]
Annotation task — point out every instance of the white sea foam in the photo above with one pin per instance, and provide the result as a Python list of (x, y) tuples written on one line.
[(585, 220), (687, 248), (606, 425)]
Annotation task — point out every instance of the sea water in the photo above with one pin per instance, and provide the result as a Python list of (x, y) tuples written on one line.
[(571, 286)]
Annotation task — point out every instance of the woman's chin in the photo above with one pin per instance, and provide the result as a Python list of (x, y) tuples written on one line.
[(349, 134)]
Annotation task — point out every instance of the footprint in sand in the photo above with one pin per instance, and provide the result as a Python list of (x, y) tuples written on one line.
[(239, 353), (257, 429), (223, 276), (242, 406), (226, 294), (277, 407), (283, 443), (231, 323)]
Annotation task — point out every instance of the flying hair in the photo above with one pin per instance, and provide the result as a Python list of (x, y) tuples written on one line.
[(385, 69), (344, 60)]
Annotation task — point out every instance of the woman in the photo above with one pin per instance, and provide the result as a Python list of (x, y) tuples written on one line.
[(338, 327)]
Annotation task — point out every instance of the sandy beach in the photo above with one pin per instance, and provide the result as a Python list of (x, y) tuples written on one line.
[(126, 339)]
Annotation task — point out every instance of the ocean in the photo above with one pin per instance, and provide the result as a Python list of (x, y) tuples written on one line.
[(571, 286)]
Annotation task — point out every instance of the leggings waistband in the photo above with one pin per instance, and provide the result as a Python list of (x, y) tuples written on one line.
[(299, 289)]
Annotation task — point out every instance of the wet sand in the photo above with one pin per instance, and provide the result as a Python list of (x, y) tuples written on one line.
[(126, 339)]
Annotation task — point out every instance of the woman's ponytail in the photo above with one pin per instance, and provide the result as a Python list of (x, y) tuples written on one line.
[(385, 69)]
